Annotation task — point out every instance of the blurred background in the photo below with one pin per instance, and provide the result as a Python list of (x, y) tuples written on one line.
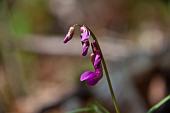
[(39, 74)]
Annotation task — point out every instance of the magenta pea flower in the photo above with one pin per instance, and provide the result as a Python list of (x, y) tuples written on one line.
[(85, 47), (96, 55), (85, 35), (91, 77)]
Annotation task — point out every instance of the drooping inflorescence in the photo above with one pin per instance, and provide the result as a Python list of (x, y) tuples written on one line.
[(91, 77)]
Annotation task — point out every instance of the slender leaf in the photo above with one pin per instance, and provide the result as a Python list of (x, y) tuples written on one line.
[(96, 109), (101, 107), (82, 110), (155, 107)]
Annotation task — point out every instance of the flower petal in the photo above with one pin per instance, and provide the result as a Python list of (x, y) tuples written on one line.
[(97, 76), (99, 72), (87, 75), (92, 82), (92, 77), (85, 47), (97, 60), (85, 33)]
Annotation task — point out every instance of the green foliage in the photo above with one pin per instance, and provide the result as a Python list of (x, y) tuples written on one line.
[(19, 24), (88, 109), (93, 108), (29, 16), (155, 107)]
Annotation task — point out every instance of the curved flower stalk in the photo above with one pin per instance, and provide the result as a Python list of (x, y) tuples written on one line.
[(97, 59)]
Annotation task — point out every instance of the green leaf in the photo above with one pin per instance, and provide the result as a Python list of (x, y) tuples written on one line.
[(96, 109), (102, 107), (81, 110), (155, 107)]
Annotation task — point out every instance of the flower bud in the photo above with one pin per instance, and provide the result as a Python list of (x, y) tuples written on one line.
[(69, 35), (97, 61), (85, 33), (92, 57), (85, 47), (94, 46)]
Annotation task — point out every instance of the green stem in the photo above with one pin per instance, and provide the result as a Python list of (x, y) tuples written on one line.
[(159, 104), (117, 109)]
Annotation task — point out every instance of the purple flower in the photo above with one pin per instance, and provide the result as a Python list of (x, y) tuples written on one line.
[(96, 60), (92, 77), (85, 47), (69, 35), (85, 35)]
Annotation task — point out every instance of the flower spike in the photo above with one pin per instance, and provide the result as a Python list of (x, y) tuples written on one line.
[(91, 77)]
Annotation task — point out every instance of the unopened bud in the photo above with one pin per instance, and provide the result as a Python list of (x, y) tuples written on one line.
[(85, 47), (85, 33), (69, 35)]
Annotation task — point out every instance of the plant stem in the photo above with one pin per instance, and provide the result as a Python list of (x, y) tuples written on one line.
[(117, 109)]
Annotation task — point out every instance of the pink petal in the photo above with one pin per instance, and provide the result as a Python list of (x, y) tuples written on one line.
[(87, 75), (92, 82), (85, 48), (97, 60), (85, 33)]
